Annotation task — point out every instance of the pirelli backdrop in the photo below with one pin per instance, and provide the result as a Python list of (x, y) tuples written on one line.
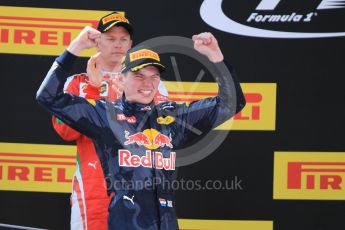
[(282, 166)]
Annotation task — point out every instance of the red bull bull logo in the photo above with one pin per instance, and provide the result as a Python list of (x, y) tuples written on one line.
[(150, 160), (137, 138), (150, 138), (163, 140)]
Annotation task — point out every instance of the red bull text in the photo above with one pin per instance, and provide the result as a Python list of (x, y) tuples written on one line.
[(152, 159)]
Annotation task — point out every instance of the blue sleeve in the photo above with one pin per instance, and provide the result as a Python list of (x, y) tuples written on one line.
[(74, 111), (203, 115)]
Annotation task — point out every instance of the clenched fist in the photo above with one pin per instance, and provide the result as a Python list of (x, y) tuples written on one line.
[(207, 44), (86, 39)]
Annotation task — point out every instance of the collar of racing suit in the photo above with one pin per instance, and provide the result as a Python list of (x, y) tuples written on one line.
[(130, 107)]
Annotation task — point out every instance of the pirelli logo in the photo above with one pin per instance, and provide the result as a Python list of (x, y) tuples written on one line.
[(259, 113), (43, 31), (186, 224), (115, 17), (142, 54), (36, 168), (309, 175)]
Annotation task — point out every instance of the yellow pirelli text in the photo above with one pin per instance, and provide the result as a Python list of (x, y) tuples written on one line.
[(309, 175), (43, 31), (36, 167), (258, 114)]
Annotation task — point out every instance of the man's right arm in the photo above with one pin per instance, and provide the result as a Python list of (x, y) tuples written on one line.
[(77, 112), (65, 132), (77, 85)]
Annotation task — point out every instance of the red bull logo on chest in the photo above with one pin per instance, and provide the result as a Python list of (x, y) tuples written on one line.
[(150, 138), (150, 160)]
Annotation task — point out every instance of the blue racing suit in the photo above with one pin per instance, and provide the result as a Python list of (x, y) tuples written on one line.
[(136, 143)]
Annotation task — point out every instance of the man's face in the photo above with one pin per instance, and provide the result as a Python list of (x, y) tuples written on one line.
[(113, 45), (142, 85)]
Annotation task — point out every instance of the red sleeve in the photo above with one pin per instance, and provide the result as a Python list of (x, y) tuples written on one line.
[(64, 131)]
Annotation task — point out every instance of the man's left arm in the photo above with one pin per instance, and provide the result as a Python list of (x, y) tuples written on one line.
[(209, 113)]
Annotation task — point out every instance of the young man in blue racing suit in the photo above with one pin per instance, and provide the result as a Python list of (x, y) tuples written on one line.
[(136, 139)]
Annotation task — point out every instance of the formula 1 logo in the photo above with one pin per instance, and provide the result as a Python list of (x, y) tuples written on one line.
[(150, 138), (325, 4), (273, 14)]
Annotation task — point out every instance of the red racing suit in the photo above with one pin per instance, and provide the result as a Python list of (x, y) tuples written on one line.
[(89, 199)]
